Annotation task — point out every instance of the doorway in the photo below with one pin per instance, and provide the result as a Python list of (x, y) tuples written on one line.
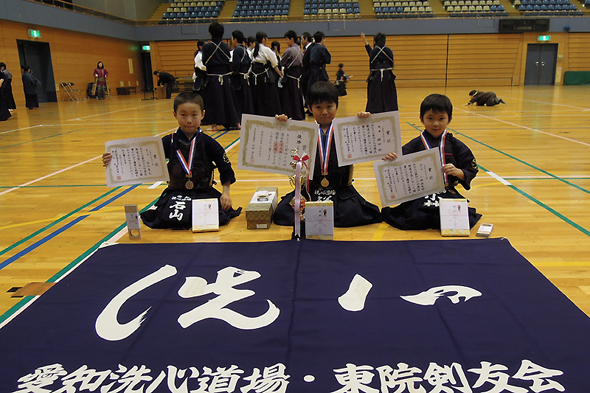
[(37, 56), (541, 60)]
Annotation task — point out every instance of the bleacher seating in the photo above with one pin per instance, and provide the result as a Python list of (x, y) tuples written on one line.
[(474, 8), (546, 8), (402, 9), (331, 9), (261, 10), (192, 12)]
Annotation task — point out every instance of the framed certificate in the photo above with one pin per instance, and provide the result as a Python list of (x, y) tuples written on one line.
[(370, 139), (266, 144), (409, 177), (136, 160)]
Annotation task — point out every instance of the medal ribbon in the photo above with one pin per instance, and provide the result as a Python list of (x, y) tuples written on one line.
[(188, 166), (325, 149), (441, 148)]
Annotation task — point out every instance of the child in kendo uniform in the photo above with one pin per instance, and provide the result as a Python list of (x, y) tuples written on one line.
[(459, 167), (190, 178), (330, 182)]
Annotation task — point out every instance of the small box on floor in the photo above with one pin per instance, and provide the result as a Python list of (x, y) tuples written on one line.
[(261, 208), (160, 92), (319, 220)]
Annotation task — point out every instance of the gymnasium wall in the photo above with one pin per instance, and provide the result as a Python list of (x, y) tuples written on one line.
[(74, 57), (426, 60)]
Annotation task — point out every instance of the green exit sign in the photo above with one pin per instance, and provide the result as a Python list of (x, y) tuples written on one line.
[(544, 38), (34, 33), (146, 48)]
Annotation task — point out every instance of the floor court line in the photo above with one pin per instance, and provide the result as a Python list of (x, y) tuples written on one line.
[(48, 176), (61, 230), (527, 128)]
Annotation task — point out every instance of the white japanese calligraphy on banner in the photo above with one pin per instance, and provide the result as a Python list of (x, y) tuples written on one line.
[(367, 139), (274, 379), (267, 144), (136, 160), (409, 177)]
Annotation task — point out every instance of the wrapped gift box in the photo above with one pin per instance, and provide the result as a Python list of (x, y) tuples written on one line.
[(261, 208), (454, 217), (319, 220)]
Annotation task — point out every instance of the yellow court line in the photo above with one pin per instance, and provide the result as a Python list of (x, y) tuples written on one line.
[(380, 231)]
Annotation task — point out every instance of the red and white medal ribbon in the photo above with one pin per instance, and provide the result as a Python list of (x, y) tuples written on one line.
[(188, 166), (441, 149), (325, 149), (297, 206)]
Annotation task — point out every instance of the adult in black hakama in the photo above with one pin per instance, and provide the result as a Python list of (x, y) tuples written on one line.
[(424, 213), (381, 90), (306, 45), (264, 77), (4, 112), (350, 208), (200, 82), (241, 62), (174, 207), (290, 93), (30, 87), (481, 98), (6, 87), (220, 97), (319, 57)]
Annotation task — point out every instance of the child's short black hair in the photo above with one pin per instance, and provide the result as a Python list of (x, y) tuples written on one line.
[(322, 91), (216, 30), (238, 35), (380, 39), (188, 96), (436, 103), (473, 92), (318, 36)]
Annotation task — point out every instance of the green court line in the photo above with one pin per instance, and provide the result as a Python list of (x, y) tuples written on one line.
[(528, 196), (546, 207), (67, 186), (32, 235), (23, 302), (524, 162), (40, 139)]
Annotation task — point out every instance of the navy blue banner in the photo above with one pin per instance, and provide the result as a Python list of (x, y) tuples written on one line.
[(300, 317)]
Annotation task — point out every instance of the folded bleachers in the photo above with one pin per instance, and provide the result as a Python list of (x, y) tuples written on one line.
[(192, 12), (261, 10), (402, 9), (331, 9)]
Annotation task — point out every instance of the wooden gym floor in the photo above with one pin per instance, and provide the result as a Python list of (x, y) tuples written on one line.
[(534, 182)]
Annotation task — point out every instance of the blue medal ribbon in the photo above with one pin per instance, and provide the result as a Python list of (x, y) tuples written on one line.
[(325, 149), (441, 148), (187, 166)]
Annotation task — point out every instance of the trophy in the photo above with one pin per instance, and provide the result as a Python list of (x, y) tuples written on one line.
[(298, 201)]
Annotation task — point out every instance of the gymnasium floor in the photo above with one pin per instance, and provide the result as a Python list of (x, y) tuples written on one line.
[(533, 185)]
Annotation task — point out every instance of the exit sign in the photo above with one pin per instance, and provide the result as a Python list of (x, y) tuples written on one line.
[(544, 38), (34, 33), (146, 48)]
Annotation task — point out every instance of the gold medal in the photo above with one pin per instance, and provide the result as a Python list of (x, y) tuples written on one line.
[(189, 184), (325, 182)]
